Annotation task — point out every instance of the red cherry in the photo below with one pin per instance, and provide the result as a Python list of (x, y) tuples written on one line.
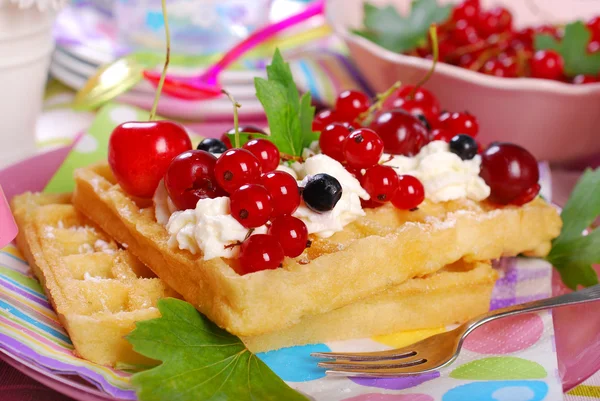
[(467, 10), (401, 132), (584, 79), (422, 99), (410, 193), (235, 168), (527, 196), (464, 34), (509, 170), (460, 123), (291, 233), (260, 252), (323, 119), (351, 103), (225, 139), (497, 20), (251, 205), (265, 151), (332, 139), (547, 64), (441, 134), (139, 153), (190, 177), (284, 192), (362, 148), (380, 182), (369, 204)]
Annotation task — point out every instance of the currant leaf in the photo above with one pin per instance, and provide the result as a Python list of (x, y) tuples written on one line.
[(573, 49), (200, 361), (387, 28), (573, 253)]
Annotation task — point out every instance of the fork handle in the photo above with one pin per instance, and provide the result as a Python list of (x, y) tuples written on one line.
[(573, 298)]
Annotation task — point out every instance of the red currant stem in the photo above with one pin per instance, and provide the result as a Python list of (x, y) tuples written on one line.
[(365, 116), (479, 45), (236, 121), (161, 82), (436, 56), (250, 231), (286, 158)]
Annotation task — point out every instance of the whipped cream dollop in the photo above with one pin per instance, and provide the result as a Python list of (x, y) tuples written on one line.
[(163, 205), (444, 175)]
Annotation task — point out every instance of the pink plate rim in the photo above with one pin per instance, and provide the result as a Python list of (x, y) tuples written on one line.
[(578, 350)]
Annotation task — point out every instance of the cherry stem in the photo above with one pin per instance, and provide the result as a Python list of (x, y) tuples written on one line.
[(381, 98), (236, 121), (161, 82), (436, 57)]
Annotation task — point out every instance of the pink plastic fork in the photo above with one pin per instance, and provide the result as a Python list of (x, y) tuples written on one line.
[(8, 228), (207, 85)]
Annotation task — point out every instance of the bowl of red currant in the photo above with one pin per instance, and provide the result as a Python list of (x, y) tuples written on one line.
[(529, 70)]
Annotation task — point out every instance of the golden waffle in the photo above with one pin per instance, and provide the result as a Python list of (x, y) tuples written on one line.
[(380, 250), (452, 295), (98, 290)]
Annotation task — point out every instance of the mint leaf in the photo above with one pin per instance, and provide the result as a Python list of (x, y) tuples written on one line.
[(290, 118), (397, 33), (573, 49), (573, 253), (200, 361)]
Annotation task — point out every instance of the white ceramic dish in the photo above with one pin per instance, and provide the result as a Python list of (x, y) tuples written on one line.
[(556, 121)]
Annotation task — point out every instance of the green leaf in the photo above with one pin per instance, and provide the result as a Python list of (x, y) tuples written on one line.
[(573, 253), (290, 117), (573, 49), (397, 33), (246, 137), (200, 361)]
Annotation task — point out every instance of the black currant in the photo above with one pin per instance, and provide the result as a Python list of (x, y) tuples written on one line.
[(322, 192), (464, 146), (212, 145)]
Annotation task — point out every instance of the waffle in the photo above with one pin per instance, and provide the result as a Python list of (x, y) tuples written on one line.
[(378, 251), (98, 290), (453, 295)]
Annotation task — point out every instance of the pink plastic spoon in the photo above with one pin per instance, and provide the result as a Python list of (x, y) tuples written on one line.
[(207, 85)]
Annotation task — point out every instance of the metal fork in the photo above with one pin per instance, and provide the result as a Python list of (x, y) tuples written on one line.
[(440, 350)]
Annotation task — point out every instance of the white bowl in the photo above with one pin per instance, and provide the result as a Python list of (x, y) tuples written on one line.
[(556, 121)]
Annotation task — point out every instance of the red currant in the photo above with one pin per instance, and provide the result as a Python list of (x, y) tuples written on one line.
[(246, 129), (509, 170), (401, 132), (523, 39), (505, 67), (460, 123), (584, 79), (323, 119), (467, 10), (464, 34), (410, 193), (139, 153), (410, 99), (251, 205), (362, 148), (497, 20), (235, 168), (380, 182), (369, 204), (225, 139), (291, 233), (284, 192), (441, 134), (549, 30), (446, 49), (332, 139), (260, 252), (190, 177), (351, 103), (265, 151), (547, 64), (593, 46), (594, 27)]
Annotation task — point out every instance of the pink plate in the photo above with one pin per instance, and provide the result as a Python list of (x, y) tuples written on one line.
[(577, 328)]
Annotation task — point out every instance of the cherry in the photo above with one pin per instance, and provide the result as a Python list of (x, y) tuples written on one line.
[(283, 190), (139, 153), (235, 168), (362, 148), (251, 205), (527, 196), (441, 134), (291, 233), (509, 170), (419, 101), (351, 103), (323, 119), (401, 132), (225, 139), (190, 177), (260, 252), (460, 123), (497, 20), (547, 64), (410, 193), (332, 139), (584, 79), (464, 34), (380, 182), (265, 151), (467, 10)]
